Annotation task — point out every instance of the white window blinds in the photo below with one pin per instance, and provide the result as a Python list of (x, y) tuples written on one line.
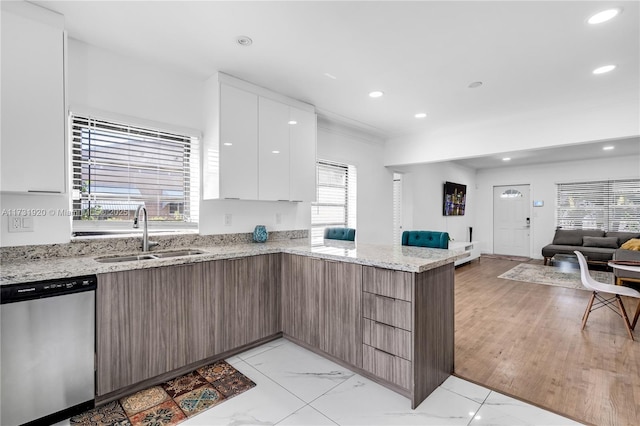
[(397, 208), (117, 167), (336, 198), (612, 205)]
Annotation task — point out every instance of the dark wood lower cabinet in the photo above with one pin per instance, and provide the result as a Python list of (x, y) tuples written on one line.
[(409, 328), (140, 324), (341, 311), (251, 299), (301, 288), (153, 321), (395, 327), (321, 305)]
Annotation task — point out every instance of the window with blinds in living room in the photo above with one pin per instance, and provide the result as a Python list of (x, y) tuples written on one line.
[(335, 204), (117, 167), (610, 205)]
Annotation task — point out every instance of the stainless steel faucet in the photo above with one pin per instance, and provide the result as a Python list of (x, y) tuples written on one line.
[(146, 244)]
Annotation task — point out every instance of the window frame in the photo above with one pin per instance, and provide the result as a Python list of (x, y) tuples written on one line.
[(141, 130), (349, 204), (599, 205)]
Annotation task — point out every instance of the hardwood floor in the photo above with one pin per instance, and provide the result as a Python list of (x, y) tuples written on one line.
[(524, 340)]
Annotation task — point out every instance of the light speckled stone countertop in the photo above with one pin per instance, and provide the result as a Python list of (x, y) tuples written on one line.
[(401, 258)]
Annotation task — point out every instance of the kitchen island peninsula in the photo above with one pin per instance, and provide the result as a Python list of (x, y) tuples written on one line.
[(386, 312)]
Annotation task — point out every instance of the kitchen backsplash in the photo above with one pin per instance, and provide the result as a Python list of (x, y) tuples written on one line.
[(130, 244)]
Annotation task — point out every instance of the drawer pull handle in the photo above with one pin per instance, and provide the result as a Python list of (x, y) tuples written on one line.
[(385, 352), (385, 325), (386, 297)]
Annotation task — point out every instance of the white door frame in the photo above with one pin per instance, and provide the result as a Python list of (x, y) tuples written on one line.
[(529, 212)]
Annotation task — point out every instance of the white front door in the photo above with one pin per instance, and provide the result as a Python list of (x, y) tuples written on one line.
[(511, 220)]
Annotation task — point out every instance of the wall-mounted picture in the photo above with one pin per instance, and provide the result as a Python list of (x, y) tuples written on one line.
[(455, 197)]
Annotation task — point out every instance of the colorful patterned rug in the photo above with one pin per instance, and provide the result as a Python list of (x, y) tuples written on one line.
[(172, 402), (551, 275)]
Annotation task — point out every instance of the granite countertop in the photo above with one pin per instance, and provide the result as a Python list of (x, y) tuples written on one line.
[(401, 258)]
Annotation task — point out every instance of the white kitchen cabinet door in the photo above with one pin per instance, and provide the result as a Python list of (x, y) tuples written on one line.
[(238, 144), (33, 103), (273, 159), (302, 143)]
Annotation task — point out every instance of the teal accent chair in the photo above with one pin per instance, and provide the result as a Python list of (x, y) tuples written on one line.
[(432, 239), (347, 234)]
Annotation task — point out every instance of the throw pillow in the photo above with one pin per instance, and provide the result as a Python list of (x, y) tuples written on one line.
[(632, 244), (603, 242), (623, 236), (573, 237)]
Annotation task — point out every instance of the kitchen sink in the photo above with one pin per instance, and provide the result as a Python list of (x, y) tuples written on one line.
[(149, 256)]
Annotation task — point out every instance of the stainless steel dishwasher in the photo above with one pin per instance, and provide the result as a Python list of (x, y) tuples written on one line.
[(47, 350)]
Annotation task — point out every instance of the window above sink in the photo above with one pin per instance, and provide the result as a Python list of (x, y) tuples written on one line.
[(118, 166)]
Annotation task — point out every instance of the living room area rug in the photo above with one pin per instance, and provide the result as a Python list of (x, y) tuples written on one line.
[(550, 275)]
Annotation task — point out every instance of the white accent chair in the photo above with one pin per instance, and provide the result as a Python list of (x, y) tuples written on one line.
[(615, 290)]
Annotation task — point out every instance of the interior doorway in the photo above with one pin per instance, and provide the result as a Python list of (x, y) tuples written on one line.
[(511, 220)]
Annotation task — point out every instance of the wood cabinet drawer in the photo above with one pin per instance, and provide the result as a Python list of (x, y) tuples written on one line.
[(387, 366), (387, 310), (390, 339), (385, 282)]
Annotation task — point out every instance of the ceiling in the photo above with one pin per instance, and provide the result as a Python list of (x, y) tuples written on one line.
[(422, 54)]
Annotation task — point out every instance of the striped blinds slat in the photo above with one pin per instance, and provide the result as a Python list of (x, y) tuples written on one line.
[(611, 205), (117, 167)]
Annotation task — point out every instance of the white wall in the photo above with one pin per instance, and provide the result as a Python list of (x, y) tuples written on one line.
[(542, 180), (103, 82), (422, 199), (48, 229), (375, 183), (109, 82)]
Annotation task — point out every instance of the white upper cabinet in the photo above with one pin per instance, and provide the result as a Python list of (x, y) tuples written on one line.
[(258, 145), (238, 143), (302, 153), (273, 166), (33, 101)]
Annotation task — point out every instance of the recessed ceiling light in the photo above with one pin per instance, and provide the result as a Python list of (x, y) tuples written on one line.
[(292, 122), (506, 159), (604, 69), (604, 16), (475, 84), (375, 94), (275, 152), (420, 115), (608, 148), (331, 76), (227, 144), (244, 41)]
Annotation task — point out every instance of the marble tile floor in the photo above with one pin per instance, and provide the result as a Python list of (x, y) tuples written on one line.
[(297, 387)]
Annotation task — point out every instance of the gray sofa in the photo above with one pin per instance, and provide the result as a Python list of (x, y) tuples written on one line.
[(598, 246)]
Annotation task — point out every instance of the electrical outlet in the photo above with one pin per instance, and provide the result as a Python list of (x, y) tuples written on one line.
[(20, 224), (227, 219), (278, 218), (15, 224)]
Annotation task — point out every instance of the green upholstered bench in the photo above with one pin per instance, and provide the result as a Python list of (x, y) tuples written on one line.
[(432, 239)]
